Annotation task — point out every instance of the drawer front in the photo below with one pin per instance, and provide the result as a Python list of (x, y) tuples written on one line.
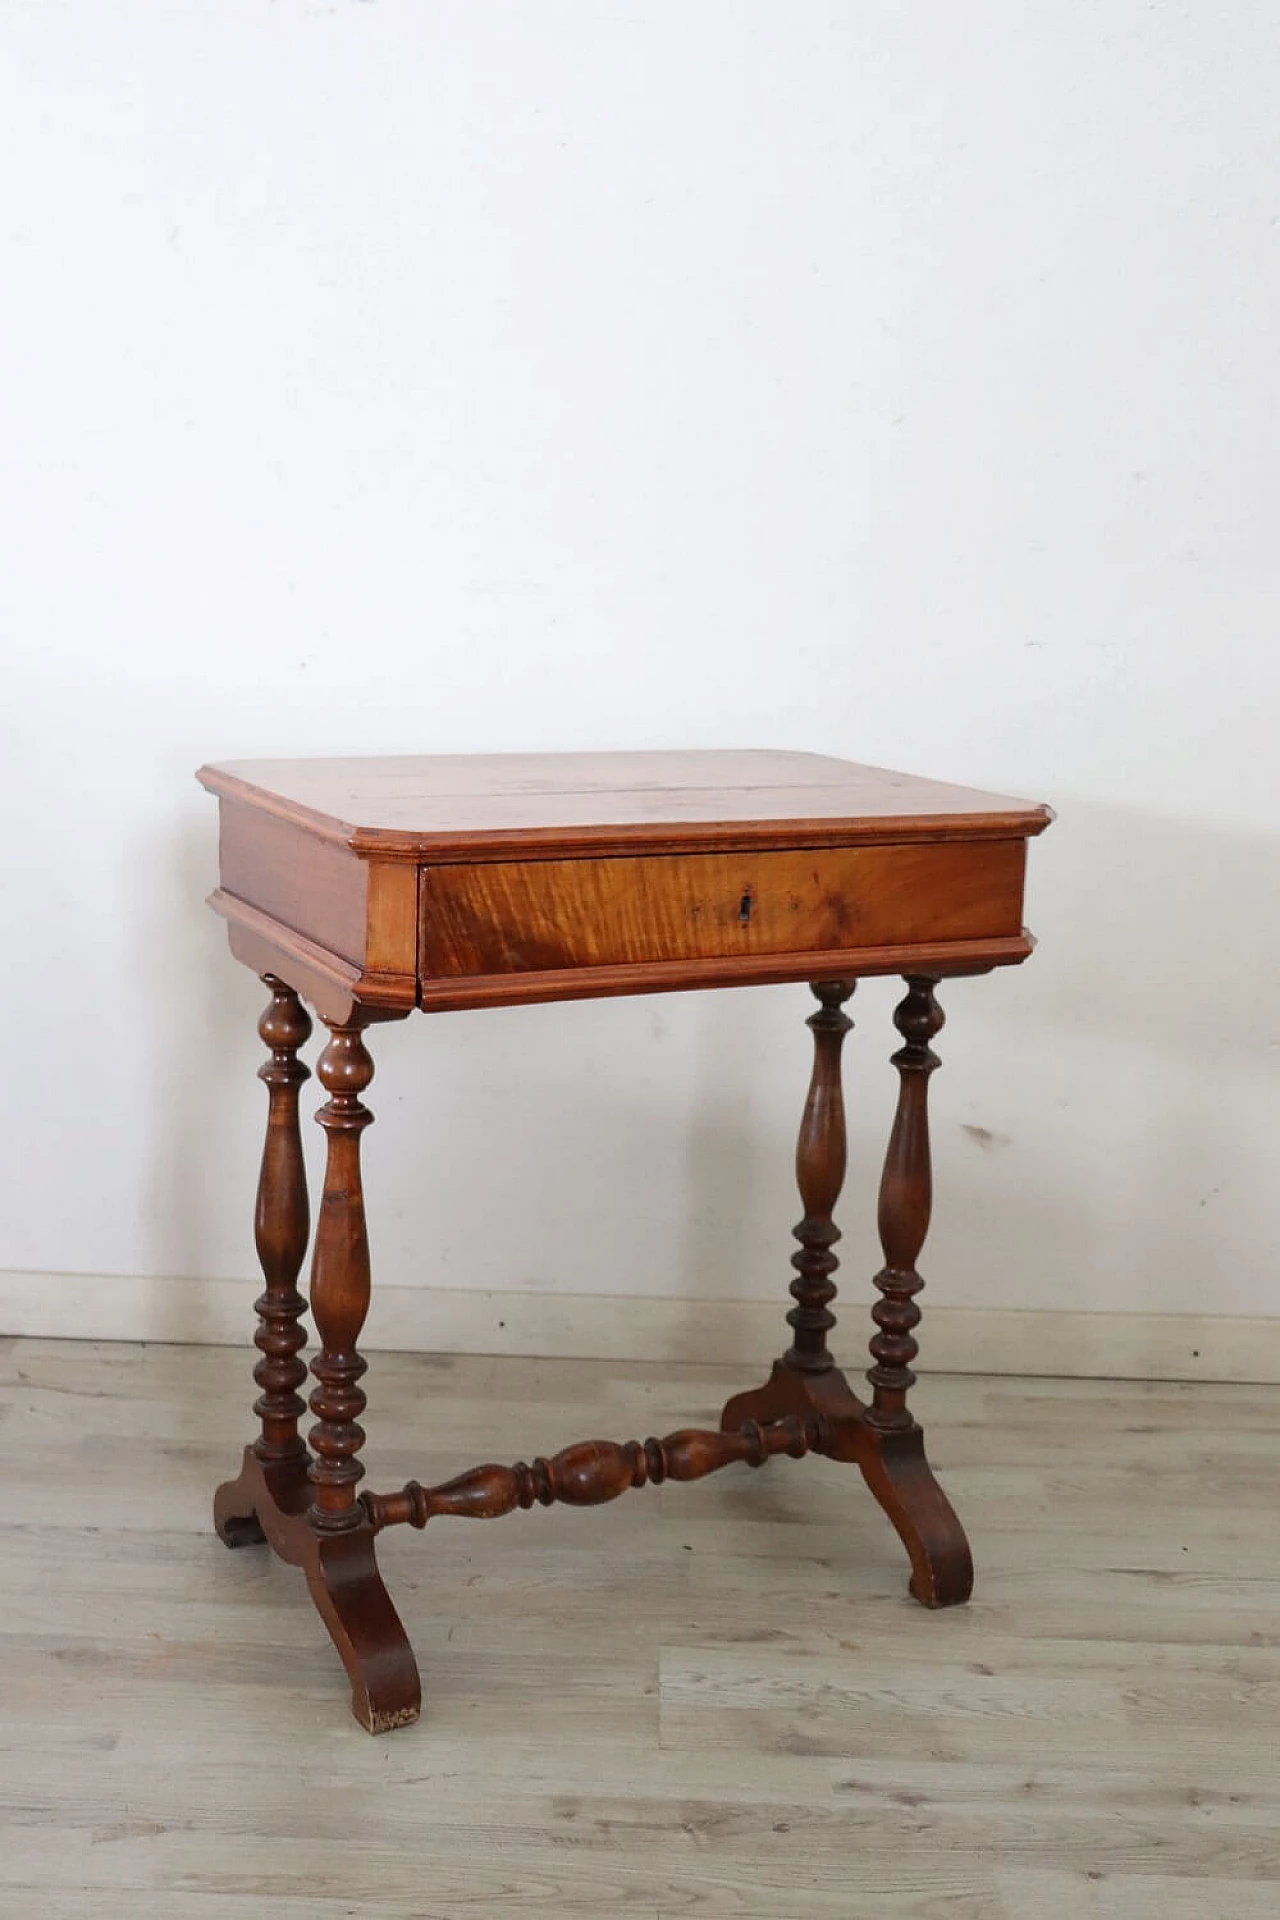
[(546, 916)]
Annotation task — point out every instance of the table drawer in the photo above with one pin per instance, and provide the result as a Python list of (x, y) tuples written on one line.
[(545, 916)]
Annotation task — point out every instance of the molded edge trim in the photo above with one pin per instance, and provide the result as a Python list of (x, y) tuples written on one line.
[(394, 991), (602, 841), (942, 957)]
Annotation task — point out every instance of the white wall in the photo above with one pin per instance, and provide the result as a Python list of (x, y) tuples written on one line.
[(898, 381)]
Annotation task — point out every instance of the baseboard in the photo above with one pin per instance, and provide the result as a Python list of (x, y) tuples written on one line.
[(1111, 1346)]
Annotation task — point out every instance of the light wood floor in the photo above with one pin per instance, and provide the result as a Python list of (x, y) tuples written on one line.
[(703, 1701)]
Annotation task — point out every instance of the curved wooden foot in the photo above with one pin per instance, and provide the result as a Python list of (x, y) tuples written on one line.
[(898, 1473), (894, 1466), (233, 1526), (350, 1598), (239, 1505), (272, 1503)]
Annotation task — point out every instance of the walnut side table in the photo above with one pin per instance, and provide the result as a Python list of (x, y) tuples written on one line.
[(371, 887)]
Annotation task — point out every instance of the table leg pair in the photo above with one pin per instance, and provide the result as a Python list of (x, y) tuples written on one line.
[(305, 1502)]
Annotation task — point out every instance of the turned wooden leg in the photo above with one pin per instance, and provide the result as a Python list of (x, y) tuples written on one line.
[(806, 1378), (894, 1462), (821, 1156), (340, 1287), (278, 1457), (906, 1202), (342, 1573), (882, 1438)]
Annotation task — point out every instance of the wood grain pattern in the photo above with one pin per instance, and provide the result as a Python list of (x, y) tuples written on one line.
[(391, 933), (341, 929), (767, 1735), (303, 882), (713, 870), (478, 806), (543, 916)]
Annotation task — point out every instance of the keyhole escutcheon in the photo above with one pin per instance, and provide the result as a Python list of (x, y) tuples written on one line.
[(744, 908)]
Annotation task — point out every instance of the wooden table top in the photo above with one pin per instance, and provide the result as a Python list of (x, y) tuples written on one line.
[(471, 803)]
